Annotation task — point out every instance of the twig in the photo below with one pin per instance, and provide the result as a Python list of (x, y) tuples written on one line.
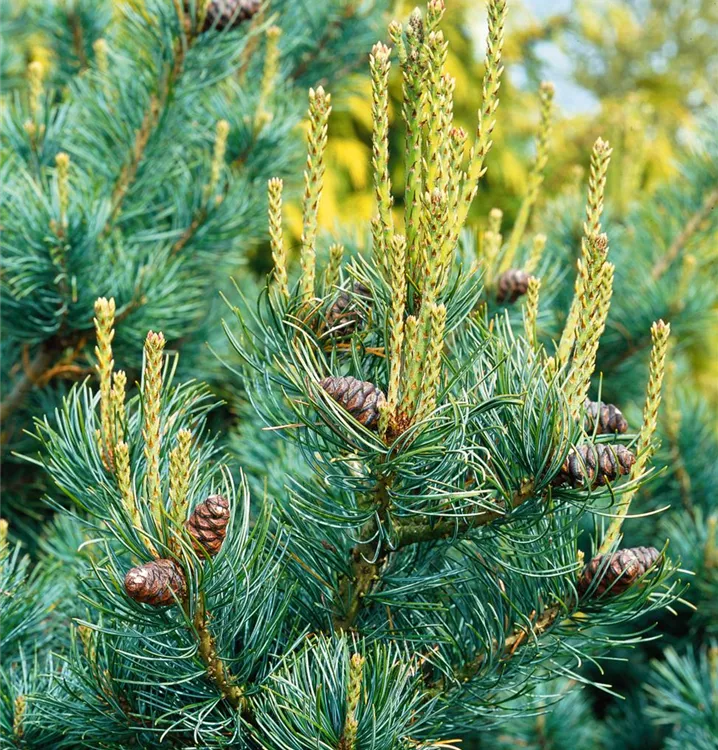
[(511, 644), (157, 104), (217, 670), (414, 533), (78, 39), (330, 33), (691, 227), (367, 561), (27, 382)]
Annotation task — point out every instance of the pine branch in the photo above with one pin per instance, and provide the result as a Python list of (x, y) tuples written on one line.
[(410, 532), (217, 670), (155, 109), (367, 560)]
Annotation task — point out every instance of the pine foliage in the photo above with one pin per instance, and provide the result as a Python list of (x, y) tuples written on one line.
[(133, 166), (421, 493)]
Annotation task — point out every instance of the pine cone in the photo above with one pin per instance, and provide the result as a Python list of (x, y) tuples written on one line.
[(344, 316), (159, 583), (511, 285), (360, 398), (228, 14), (596, 462), (610, 418), (208, 525), (618, 571)]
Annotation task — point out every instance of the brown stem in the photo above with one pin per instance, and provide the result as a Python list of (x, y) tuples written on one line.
[(217, 670), (190, 232), (78, 41), (367, 561), (691, 227), (43, 368), (27, 382), (413, 532), (157, 105), (512, 643)]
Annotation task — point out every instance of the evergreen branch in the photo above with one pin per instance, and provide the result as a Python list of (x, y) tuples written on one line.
[(29, 380), (512, 642), (691, 227), (129, 171), (331, 30), (417, 532), (220, 146), (217, 671), (157, 104), (368, 558), (365, 564)]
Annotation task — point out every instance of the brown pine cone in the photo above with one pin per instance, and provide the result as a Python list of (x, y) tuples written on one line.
[(610, 418), (511, 285), (360, 398), (345, 316), (208, 525), (595, 464), (618, 571), (159, 583), (228, 14)]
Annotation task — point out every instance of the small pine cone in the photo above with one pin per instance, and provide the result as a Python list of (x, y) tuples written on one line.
[(228, 14), (595, 464), (511, 285), (159, 583), (360, 398), (610, 418), (208, 525), (344, 317), (618, 572)]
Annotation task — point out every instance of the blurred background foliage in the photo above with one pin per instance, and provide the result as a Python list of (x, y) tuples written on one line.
[(638, 72)]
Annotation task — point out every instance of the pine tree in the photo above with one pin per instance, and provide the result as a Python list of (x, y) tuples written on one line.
[(412, 567), (134, 159)]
